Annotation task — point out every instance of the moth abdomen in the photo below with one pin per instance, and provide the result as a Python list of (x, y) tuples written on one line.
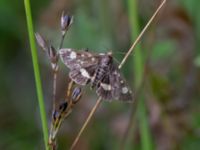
[(98, 76)]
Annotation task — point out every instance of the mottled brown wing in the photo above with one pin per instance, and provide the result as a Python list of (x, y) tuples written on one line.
[(120, 89), (82, 76), (77, 60), (82, 64), (104, 89)]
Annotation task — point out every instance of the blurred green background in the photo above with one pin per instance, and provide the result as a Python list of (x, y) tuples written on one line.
[(169, 51)]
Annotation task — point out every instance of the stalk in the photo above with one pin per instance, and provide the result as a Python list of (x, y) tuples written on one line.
[(36, 72), (146, 141)]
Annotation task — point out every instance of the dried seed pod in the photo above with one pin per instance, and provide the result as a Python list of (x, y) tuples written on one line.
[(63, 106), (76, 94), (55, 115), (41, 41), (52, 53), (66, 22)]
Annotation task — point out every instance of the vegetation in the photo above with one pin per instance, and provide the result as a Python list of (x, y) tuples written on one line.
[(163, 69)]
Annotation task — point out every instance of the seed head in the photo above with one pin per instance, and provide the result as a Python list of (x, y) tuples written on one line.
[(41, 41), (76, 94), (66, 22)]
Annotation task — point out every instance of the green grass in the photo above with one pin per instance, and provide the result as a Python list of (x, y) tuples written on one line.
[(146, 141), (36, 72)]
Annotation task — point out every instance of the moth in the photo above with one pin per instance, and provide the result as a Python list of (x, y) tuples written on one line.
[(99, 71)]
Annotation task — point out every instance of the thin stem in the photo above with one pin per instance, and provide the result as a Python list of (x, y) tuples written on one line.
[(86, 122), (55, 72), (121, 64), (62, 39), (139, 79), (36, 72), (142, 32)]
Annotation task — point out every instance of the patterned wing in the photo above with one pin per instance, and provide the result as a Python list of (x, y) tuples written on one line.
[(120, 89), (82, 76), (104, 88), (77, 60), (82, 64)]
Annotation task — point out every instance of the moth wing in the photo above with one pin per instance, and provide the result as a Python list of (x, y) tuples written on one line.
[(104, 89), (76, 76), (82, 76), (77, 60), (120, 89)]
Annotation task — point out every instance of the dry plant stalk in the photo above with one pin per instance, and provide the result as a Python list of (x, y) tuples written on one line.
[(73, 95), (122, 63)]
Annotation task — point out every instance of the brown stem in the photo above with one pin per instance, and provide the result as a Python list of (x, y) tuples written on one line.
[(86, 122), (55, 72), (141, 34)]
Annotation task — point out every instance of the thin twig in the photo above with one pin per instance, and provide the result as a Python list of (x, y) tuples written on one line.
[(62, 40), (129, 128), (86, 122), (121, 64), (141, 34), (55, 72)]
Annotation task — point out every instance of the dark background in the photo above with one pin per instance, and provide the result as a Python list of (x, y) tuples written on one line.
[(172, 80)]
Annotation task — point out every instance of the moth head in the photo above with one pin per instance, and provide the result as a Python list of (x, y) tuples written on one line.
[(109, 53), (106, 59)]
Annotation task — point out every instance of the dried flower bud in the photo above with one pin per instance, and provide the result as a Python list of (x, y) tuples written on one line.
[(76, 94), (52, 53), (66, 21), (55, 115), (63, 106), (41, 41)]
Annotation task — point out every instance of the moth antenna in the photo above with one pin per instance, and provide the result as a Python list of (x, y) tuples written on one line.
[(118, 52), (117, 61)]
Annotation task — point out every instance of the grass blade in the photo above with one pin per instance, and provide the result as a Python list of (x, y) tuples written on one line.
[(36, 72), (146, 141)]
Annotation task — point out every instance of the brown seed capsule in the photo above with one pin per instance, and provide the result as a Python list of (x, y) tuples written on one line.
[(66, 21), (76, 94), (53, 56), (63, 106), (41, 41), (55, 115)]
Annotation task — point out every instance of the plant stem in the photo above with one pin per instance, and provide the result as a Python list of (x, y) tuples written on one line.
[(86, 122), (139, 84), (138, 70), (36, 72), (134, 27)]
